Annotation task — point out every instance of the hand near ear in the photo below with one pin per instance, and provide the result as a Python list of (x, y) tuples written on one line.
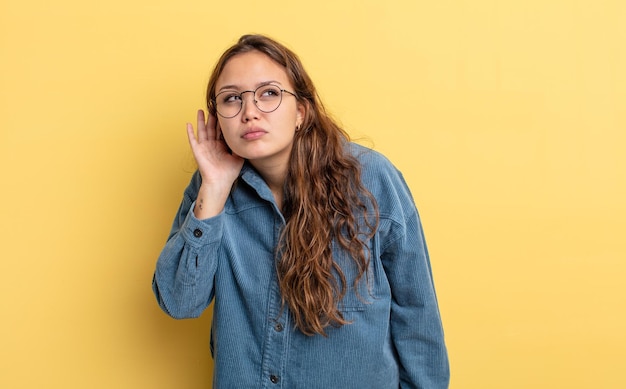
[(218, 167)]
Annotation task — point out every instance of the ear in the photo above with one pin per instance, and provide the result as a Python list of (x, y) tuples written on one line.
[(300, 115), (218, 129)]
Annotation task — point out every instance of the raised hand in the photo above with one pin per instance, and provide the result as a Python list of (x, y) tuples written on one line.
[(218, 167)]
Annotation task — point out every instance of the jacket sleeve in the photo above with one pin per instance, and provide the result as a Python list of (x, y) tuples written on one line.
[(415, 322), (185, 270)]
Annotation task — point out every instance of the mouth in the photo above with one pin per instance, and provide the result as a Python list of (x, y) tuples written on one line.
[(253, 133)]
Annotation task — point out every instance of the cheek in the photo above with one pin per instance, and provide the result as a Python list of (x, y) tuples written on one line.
[(224, 128), (291, 118)]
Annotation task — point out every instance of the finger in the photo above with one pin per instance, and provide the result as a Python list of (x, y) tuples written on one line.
[(211, 127), (202, 126), (191, 135)]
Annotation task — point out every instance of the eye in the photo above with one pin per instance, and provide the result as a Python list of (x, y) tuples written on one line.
[(268, 92), (229, 97)]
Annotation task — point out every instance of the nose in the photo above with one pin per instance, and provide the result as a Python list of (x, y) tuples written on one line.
[(249, 108)]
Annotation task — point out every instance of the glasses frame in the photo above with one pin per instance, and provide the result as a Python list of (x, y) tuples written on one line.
[(256, 103)]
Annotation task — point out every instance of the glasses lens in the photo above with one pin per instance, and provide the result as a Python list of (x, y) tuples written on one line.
[(268, 97), (228, 103)]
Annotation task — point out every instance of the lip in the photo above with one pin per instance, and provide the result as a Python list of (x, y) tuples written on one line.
[(253, 133)]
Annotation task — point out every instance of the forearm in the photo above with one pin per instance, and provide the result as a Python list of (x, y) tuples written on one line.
[(416, 326), (183, 279), (210, 201)]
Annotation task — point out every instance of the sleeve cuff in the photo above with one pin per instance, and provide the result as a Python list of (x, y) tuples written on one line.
[(202, 232)]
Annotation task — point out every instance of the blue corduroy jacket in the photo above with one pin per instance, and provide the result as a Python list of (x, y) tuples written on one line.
[(395, 339)]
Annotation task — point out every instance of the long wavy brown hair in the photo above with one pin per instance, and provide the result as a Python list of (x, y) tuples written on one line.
[(324, 201)]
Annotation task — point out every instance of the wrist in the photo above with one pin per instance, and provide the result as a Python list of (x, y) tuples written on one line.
[(210, 201)]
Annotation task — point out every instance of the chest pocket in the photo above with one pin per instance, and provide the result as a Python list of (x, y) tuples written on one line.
[(358, 296)]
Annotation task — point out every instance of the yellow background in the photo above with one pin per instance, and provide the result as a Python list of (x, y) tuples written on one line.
[(506, 117)]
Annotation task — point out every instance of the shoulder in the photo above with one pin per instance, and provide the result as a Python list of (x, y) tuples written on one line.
[(368, 157), (384, 181), (376, 169), (191, 191)]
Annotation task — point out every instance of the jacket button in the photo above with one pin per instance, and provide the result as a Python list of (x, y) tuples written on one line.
[(197, 233), (274, 379), (278, 327)]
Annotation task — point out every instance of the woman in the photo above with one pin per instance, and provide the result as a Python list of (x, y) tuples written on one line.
[(310, 245)]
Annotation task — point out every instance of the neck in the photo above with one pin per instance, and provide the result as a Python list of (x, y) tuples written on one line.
[(274, 177)]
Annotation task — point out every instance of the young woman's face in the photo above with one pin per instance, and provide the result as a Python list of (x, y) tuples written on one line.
[(262, 137)]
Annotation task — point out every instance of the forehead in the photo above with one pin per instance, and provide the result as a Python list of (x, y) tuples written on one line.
[(247, 70)]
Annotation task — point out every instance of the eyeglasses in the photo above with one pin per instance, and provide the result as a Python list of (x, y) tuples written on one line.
[(267, 98)]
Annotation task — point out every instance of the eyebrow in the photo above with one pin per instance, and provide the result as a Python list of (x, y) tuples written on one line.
[(235, 87)]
